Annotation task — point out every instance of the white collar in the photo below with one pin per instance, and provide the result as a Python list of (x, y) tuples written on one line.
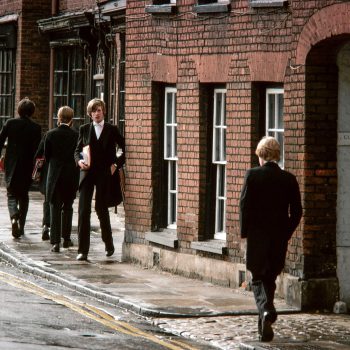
[(100, 123)]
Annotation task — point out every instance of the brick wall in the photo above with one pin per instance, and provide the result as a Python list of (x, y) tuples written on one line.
[(33, 59), (260, 47), (32, 56), (8, 7), (138, 126), (187, 113), (75, 5)]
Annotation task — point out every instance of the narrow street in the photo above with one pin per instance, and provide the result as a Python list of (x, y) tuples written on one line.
[(37, 314)]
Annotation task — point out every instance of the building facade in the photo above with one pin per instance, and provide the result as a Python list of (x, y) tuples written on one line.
[(62, 53), (87, 57), (194, 84), (23, 58), (205, 80)]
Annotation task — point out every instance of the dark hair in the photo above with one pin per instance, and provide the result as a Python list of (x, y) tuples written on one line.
[(26, 107)]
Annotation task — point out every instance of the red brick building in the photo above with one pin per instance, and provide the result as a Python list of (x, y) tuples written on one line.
[(205, 80), (62, 52), (24, 58)]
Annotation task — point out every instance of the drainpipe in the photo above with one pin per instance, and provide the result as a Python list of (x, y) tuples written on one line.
[(54, 11)]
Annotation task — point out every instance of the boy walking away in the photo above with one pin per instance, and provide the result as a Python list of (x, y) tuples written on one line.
[(23, 137), (62, 178)]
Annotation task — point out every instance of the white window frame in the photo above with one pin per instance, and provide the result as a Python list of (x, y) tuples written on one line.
[(275, 130), (170, 155), (216, 1), (165, 2), (219, 159)]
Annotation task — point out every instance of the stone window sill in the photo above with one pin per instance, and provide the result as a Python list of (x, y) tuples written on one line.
[(268, 3), (211, 8), (161, 9), (214, 246), (166, 238)]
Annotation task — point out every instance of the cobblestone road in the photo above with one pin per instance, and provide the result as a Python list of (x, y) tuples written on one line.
[(228, 332)]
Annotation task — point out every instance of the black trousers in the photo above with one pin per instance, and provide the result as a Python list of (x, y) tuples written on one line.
[(84, 221), (264, 287), (61, 212), (17, 203), (46, 213)]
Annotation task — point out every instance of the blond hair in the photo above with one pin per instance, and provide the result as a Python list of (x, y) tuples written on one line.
[(268, 149), (94, 104), (65, 114)]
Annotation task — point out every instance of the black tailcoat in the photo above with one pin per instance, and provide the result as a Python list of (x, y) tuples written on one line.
[(103, 155), (60, 144), (23, 137), (270, 211)]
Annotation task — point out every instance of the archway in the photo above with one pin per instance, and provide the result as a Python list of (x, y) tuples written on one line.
[(323, 49)]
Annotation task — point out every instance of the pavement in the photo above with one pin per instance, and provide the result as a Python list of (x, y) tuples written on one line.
[(219, 316)]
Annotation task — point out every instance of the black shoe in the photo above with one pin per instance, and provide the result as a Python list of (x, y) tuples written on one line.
[(21, 231), (110, 252), (266, 327), (55, 248), (82, 257), (15, 228), (45, 233), (67, 243)]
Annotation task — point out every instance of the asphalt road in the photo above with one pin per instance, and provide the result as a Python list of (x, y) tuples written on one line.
[(37, 314)]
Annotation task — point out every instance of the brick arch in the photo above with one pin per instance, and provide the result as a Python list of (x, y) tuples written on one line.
[(329, 22)]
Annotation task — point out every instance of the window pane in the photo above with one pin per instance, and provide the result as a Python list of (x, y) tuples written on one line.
[(7, 84), (223, 146), (168, 141), (61, 83), (219, 126), (221, 181), (173, 208), (78, 106), (224, 110), (172, 192), (78, 81), (174, 150), (280, 111), (174, 108), (271, 111), (170, 127), (70, 80), (219, 118), (217, 144), (274, 117), (172, 176), (220, 217), (169, 102)]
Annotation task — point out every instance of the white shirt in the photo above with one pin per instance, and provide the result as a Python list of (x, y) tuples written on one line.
[(98, 128)]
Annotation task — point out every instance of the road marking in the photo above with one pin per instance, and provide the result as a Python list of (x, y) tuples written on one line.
[(91, 312)]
